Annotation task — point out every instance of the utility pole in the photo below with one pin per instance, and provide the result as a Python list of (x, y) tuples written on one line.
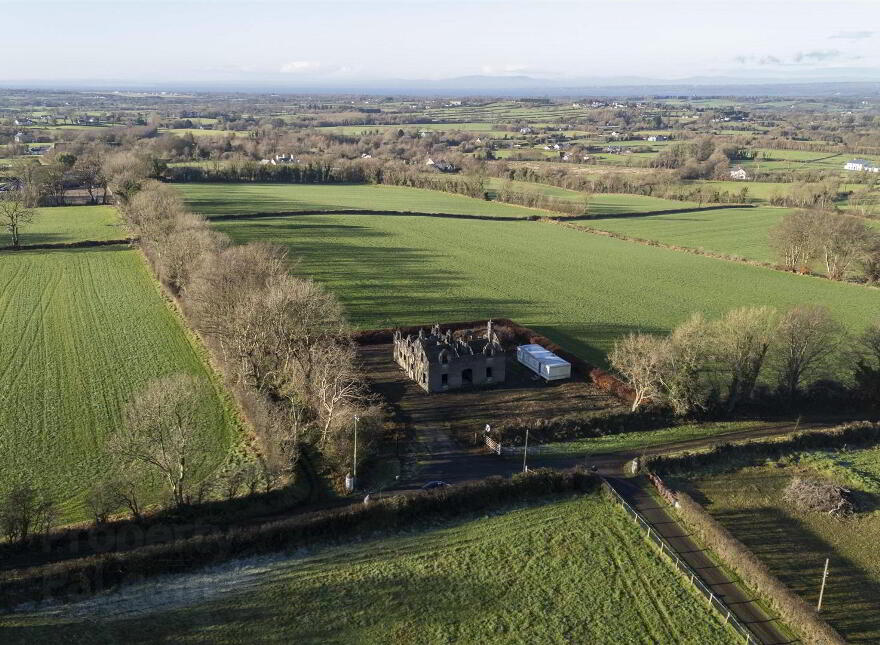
[(822, 590), (354, 467), (526, 451)]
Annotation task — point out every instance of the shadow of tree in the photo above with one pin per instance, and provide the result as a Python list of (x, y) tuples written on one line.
[(796, 554)]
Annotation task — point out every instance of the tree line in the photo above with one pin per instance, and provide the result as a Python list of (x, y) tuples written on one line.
[(749, 354), (843, 244)]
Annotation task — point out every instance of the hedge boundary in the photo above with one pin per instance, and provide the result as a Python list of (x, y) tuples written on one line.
[(523, 335), (735, 455), (94, 574), (735, 555), (84, 244)]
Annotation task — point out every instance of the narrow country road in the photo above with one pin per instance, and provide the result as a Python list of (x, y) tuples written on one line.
[(638, 493)]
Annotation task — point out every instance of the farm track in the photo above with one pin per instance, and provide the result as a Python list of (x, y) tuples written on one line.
[(742, 603)]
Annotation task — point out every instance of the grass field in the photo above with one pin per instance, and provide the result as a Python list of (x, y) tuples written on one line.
[(794, 544), (641, 440), (235, 199), (64, 224), (737, 231), (572, 571), (581, 290), (81, 330), (601, 204)]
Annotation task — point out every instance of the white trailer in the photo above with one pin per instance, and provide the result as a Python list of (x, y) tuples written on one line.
[(543, 362)]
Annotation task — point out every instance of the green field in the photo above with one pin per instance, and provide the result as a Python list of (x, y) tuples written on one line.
[(744, 232), (582, 290), (572, 571), (63, 224), (795, 544), (640, 440), (237, 199), (601, 204), (81, 330)]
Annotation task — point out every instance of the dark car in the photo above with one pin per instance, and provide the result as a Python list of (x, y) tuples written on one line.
[(435, 484)]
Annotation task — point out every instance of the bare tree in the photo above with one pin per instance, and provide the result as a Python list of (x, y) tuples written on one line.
[(795, 240), (25, 511), (741, 340), (164, 431), (685, 363), (806, 339), (639, 359), (222, 282), (843, 241), (89, 171), (14, 214), (182, 246)]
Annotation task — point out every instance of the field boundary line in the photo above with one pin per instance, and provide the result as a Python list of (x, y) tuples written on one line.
[(696, 580), (83, 244), (668, 211), (364, 211)]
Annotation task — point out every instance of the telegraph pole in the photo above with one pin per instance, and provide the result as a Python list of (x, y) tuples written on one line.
[(354, 467), (822, 590), (526, 451)]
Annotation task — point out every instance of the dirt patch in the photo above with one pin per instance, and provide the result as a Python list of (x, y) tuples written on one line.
[(463, 412)]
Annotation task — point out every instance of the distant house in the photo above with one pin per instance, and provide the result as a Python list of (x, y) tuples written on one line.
[(861, 165), (38, 150), (441, 165), (23, 121), (525, 130), (658, 137), (738, 173), (366, 156), (21, 137)]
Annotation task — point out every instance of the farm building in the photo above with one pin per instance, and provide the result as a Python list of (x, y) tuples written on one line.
[(439, 362), (441, 165), (738, 173), (543, 362), (861, 165)]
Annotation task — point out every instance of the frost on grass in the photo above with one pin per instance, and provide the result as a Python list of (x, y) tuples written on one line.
[(169, 592)]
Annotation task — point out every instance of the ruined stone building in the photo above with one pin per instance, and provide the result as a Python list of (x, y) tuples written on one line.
[(439, 362)]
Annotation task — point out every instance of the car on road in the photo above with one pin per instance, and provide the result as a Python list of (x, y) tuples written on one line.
[(435, 484)]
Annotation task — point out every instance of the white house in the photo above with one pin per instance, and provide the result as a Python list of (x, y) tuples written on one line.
[(861, 165), (657, 137), (525, 130), (738, 173)]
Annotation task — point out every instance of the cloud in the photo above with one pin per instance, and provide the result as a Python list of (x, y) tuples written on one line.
[(817, 56), (814, 57), (301, 67), (853, 35), (509, 70)]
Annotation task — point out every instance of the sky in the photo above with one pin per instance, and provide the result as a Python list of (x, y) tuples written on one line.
[(338, 42)]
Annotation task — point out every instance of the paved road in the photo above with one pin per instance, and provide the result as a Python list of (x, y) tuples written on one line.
[(637, 491)]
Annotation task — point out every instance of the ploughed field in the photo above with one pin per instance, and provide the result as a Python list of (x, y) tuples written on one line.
[(575, 570), (794, 544), (80, 331), (581, 290)]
